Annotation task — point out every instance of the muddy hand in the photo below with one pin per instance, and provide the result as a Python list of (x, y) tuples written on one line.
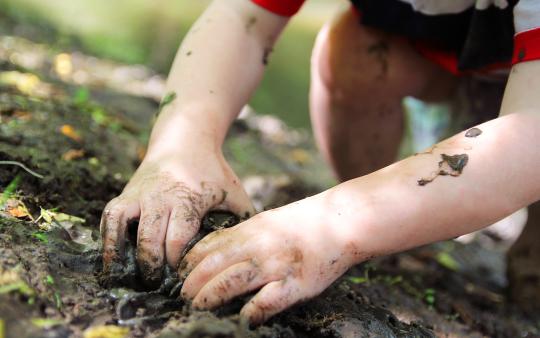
[(293, 253), (169, 198)]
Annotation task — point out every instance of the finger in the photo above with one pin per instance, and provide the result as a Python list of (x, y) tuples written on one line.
[(216, 241), (151, 241), (272, 299), (238, 202), (180, 231), (113, 226), (236, 280), (211, 266)]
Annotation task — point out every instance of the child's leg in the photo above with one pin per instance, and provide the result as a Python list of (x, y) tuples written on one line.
[(359, 79), (524, 262)]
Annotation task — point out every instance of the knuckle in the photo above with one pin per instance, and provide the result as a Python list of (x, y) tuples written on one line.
[(222, 286), (112, 212), (264, 243)]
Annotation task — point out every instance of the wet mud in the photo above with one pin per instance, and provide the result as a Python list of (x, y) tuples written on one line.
[(450, 165), (473, 132)]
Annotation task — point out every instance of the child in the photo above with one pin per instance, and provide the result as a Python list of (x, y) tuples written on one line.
[(364, 63)]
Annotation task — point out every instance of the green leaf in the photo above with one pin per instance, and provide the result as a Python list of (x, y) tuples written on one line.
[(81, 96), (446, 260), (358, 280), (58, 300), (49, 280), (41, 236), (46, 323), (10, 189), (167, 99), (19, 286), (429, 296)]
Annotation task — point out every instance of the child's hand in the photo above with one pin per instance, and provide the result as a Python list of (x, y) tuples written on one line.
[(169, 196), (293, 253)]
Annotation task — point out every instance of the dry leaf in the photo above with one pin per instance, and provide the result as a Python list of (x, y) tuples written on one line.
[(73, 154), (106, 331), (70, 132), (22, 115), (19, 212), (300, 156), (141, 152), (16, 208)]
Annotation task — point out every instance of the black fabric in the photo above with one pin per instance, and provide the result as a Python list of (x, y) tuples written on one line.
[(479, 37)]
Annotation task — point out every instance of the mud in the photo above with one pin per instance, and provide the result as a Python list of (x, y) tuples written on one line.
[(266, 55), (473, 132), (251, 23), (451, 165), (51, 283)]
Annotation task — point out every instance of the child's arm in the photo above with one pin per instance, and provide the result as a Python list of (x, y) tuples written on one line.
[(184, 174), (296, 251), (216, 69)]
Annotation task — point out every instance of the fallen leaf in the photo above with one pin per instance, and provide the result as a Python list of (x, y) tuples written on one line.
[(141, 152), (19, 211), (10, 281), (300, 156), (106, 331), (46, 323), (69, 131), (446, 260), (16, 208), (22, 115), (357, 280), (63, 65), (73, 154)]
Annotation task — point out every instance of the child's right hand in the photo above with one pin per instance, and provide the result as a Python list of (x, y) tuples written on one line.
[(169, 195)]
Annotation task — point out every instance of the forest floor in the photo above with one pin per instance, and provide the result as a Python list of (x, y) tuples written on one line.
[(72, 131)]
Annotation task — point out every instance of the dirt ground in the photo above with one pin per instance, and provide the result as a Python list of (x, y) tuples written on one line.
[(70, 136)]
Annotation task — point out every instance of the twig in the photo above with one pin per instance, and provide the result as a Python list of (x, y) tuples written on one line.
[(19, 164)]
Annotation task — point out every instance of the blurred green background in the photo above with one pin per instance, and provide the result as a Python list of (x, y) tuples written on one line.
[(149, 32)]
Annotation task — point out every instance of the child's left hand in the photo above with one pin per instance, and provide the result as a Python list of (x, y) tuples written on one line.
[(293, 253)]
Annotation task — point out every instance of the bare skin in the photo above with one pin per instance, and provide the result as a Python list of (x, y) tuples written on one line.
[(294, 252), (359, 77)]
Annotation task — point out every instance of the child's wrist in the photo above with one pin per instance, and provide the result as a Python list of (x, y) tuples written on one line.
[(348, 218)]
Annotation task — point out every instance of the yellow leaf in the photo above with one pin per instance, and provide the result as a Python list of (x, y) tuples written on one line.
[(61, 217), (16, 208), (300, 156), (47, 215), (22, 115), (106, 331), (73, 154), (63, 65), (19, 211), (45, 323), (2, 330), (70, 132)]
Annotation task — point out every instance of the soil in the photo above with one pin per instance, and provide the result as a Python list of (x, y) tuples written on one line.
[(50, 265)]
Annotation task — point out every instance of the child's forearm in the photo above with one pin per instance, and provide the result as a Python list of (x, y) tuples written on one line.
[(390, 211), (217, 67)]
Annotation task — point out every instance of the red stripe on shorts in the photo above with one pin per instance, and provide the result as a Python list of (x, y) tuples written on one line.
[(526, 46)]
